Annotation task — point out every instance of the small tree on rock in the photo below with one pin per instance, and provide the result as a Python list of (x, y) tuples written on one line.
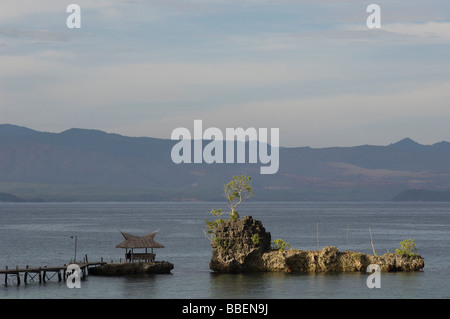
[(407, 248), (235, 191), (238, 189)]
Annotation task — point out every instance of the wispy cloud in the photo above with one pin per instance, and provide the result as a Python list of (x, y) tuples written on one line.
[(439, 31), (310, 67), (35, 35)]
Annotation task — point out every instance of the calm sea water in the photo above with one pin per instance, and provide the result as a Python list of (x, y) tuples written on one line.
[(39, 234)]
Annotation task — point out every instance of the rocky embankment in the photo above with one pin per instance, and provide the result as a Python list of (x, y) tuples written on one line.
[(243, 245), (121, 269)]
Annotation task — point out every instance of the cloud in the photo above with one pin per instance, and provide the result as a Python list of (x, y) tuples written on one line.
[(34, 35), (393, 34), (340, 120), (131, 83), (311, 68), (24, 9), (439, 31)]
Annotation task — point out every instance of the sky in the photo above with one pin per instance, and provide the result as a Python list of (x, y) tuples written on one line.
[(311, 68)]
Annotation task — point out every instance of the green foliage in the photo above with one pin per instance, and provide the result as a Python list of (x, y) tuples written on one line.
[(216, 212), (221, 244), (256, 239), (238, 189), (279, 244), (407, 248), (211, 226), (235, 191)]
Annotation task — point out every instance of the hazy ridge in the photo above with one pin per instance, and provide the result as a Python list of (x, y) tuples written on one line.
[(91, 165)]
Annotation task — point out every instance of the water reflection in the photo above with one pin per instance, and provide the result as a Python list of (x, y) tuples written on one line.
[(283, 285)]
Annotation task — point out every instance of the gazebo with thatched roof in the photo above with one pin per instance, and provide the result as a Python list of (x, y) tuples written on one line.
[(132, 242)]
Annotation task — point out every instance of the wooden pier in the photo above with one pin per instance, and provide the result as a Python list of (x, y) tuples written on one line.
[(46, 273)]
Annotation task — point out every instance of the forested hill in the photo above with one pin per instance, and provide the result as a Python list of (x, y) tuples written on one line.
[(88, 165)]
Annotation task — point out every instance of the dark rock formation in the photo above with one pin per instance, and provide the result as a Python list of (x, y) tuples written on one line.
[(121, 269), (243, 245), (239, 245)]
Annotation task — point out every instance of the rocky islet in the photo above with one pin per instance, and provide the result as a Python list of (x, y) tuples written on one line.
[(243, 245)]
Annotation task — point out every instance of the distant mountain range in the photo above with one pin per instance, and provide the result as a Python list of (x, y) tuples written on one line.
[(91, 165)]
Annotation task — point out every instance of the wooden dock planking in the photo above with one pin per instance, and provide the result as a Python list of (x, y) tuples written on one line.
[(41, 272)]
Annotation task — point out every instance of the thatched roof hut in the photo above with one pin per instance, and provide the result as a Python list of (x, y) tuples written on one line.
[(132, 242)]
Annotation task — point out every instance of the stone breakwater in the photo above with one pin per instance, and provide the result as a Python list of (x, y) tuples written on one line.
[(121, 269), (243, 245)]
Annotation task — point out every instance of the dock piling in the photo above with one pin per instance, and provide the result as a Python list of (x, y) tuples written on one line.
[(29, 273)]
